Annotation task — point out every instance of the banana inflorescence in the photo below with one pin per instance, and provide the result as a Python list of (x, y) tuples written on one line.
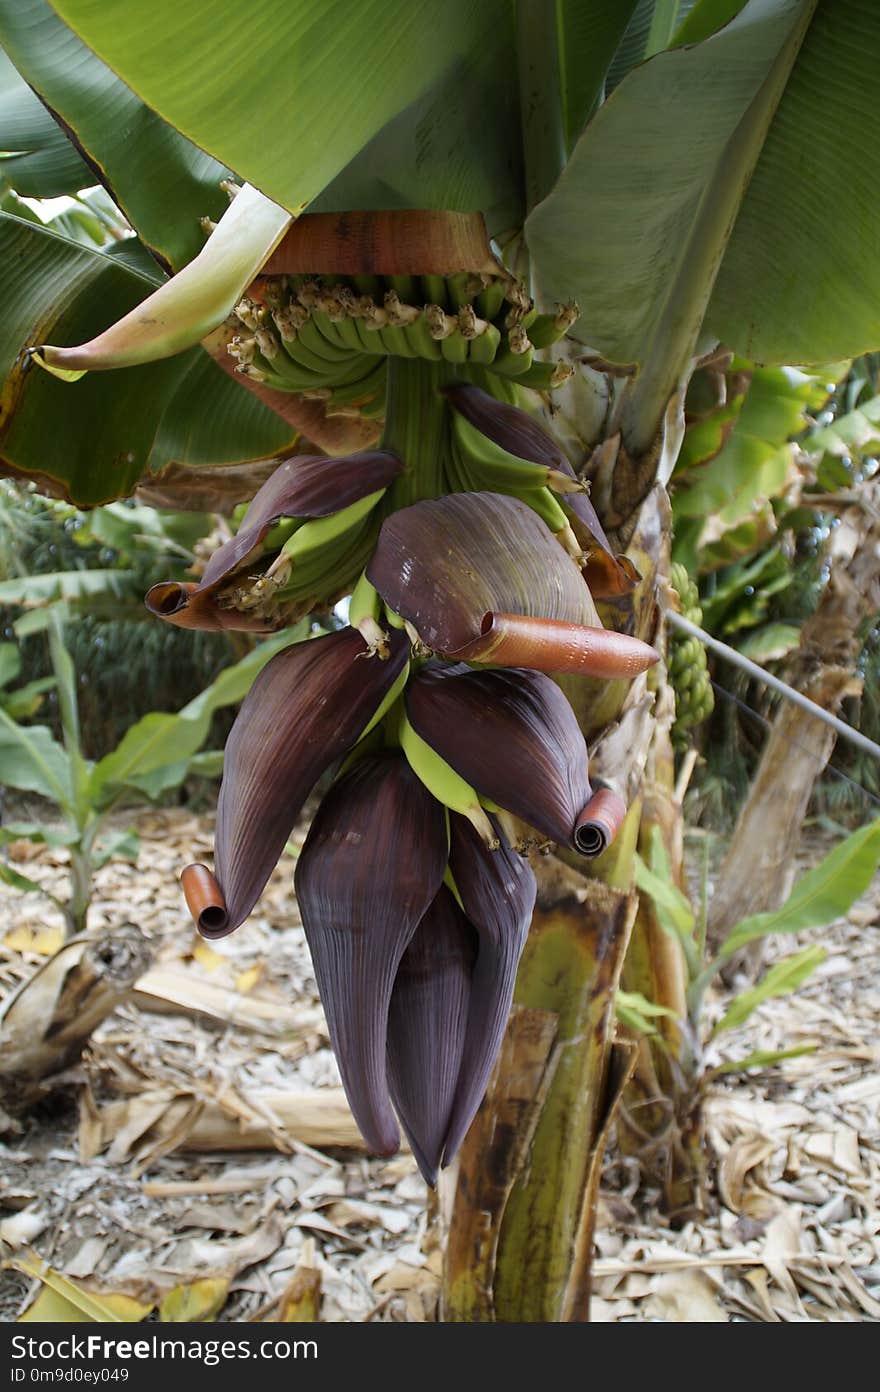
[(465, 541)]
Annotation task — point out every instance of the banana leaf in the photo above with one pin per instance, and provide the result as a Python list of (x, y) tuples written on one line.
[(37, 158), (289, 94), (694, 160), (162, 182), (119, 427)]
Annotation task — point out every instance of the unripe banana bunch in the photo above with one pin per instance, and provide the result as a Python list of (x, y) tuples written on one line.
[(688, 668), (329, 337)]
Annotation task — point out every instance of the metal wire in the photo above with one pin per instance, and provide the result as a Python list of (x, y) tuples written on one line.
[(761, 674), (829, 768)]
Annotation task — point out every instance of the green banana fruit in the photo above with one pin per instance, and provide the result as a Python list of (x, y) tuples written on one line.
[(290, 375), (443, 782), (514, 356), (300, 353), (463, 287), (546, 329), (348, 332), (365, 388), (433, 290), (494, 468), (329, 572), (484, 345), (329, 330), (388, 701), (392, 618), (395, 342), (364, 611), (420, 339), (406, 287), (319, 533), (545, 376), (490, 300), (313, 339), (368, 285), (546, 505), (454, 347), (365, 602)]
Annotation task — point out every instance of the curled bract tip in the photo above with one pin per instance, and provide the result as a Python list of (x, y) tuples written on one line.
[(51, 360), (186, 308), (599, 822), (552, 645), (189, 605), (204, 899)]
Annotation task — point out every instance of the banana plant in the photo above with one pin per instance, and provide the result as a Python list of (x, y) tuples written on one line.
[(482, 288), (823, 894), (154, 756)]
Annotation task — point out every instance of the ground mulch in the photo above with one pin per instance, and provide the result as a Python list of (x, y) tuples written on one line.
[(99, 1180)]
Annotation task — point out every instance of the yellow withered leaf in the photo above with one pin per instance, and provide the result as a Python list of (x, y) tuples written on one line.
[(247, 980), (301, 1301), (65, 1301), (207, 957), (200, 1300), (44, 941)]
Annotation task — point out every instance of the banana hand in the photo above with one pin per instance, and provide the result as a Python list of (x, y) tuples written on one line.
[(443, 782)]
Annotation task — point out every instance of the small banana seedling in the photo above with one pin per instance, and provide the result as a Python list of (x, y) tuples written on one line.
[(825, 893)]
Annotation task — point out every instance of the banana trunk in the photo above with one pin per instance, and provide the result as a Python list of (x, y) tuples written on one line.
[(520, 1232)]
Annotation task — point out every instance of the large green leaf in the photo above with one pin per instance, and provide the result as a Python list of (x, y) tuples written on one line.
[(646, 178), (96, 439), (131, 529), (160, 743), (10, 663), (36, 157), (442, 151), (674, 913), (39, 834), (650, 27), (588, 38), (161, 181), (858, 432), (18, 881), (716, 154), (25, 701), (64, 584), (286, 92), (825, 893), (638, 1013), (753, 465), (763, 1058), (801, 278), (771, 642), (31, 760), (706, 18)]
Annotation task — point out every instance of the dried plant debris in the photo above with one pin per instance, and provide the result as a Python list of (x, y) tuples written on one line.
[(199, 1162)]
